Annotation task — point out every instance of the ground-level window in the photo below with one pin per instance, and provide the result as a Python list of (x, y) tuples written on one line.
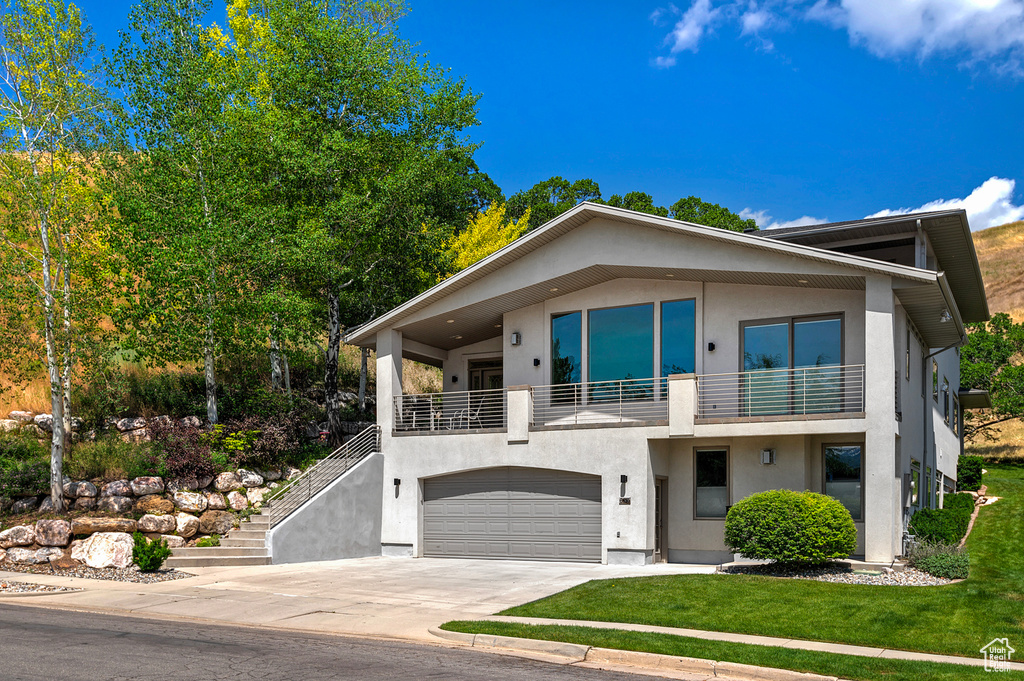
[(945, 400), (843, 475), (566, 348), (711, 473), (928, 487), (956, 416), (915, 482)]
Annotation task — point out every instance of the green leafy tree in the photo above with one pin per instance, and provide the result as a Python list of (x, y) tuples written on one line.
[(694, 209), (179, 185), (52, 109), (638, 201), (548, 199), (992, 361)]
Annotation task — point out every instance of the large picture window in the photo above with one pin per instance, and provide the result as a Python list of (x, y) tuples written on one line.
[(843, 476), (711, 475), (620, 348), (566, 348), (793, 365), (678, 337)]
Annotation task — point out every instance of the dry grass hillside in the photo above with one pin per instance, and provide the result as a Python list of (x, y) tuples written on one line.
[(1001, 254)]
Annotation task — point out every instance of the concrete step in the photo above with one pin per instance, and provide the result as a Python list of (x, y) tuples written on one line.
[(260, 524), (246, 534), (226, 551), (243, 542), (216, 561)]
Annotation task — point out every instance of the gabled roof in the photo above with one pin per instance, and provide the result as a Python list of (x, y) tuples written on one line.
[(948, 232), (922, 288)]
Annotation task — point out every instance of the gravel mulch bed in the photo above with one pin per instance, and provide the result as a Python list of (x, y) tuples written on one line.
[(840, 574), (128, 574), (10, 587)]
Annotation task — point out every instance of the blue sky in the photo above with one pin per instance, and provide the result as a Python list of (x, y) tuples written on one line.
[(788, 110)]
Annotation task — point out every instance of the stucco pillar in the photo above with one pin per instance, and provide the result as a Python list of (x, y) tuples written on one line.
[(682, 404), (389, 377), (880, 507), (520, 413)]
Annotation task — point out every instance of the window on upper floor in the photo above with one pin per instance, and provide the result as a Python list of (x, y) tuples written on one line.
[(566, 348), (945, 400), (620, 343), (955, 422), (907, 369), (678, 337), (915, 482), (935, 380)]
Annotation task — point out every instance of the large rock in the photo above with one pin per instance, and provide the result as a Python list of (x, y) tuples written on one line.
[(154, 503), (161, 524), (44, 422), (23, 557), (3, 555), (147, 485), (192, 502), (250, 478), (79, 490), (115, 504), (191, 422), (182, 485), (24, 505), (23, 416), (165, 421), (225, 482), (48, 554), (271, 474), (20, 535), (63, 562), (187, 525), (238, 501), (117, 488), (173, 541), (216, 522), (46, 506), (85, 504), (9, 425), (256, 495), (129, 424), (94, 525), (53, 532), (215, 501), (105, 549), (140, 435), (291, 473)]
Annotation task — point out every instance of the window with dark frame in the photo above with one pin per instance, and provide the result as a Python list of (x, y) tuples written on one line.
[(844, 476), (711, 483), (945, 400)]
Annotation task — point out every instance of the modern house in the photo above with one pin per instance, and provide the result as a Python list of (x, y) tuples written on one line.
[(614, 381)]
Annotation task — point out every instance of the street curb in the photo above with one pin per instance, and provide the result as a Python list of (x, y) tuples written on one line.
[(37, 593), (650, 661)]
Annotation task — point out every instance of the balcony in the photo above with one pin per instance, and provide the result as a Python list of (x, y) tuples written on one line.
[(679, 402), (781, 394), (470, 410)]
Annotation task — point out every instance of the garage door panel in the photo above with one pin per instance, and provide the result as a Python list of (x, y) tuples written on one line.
[(517, 513)]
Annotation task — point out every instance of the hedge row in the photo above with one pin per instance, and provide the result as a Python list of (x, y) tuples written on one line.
[(945, 525)]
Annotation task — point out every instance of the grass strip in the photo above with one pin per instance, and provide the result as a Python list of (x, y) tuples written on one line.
[(829, 664), (957, 619)]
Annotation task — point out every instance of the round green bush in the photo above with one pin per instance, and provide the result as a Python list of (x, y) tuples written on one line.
[(790, 527)]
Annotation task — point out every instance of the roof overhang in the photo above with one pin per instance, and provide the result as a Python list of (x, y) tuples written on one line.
[(925, 294), (972, 398)]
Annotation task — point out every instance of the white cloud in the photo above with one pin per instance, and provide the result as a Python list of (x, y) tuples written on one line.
[(976, 31), (765, 221), (989, 205), (691, 27)]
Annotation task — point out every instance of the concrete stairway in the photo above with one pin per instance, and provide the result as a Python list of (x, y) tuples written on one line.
[(246, 545)]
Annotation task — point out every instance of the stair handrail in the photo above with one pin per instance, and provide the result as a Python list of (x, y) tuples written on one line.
[(300, 489)]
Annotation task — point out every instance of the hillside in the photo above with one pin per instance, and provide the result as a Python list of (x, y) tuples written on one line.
[(1001, 254)]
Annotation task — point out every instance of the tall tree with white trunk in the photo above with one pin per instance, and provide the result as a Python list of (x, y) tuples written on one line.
[(52, 114)]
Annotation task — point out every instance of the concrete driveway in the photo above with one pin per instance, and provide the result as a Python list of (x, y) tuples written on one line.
[(392, 597)]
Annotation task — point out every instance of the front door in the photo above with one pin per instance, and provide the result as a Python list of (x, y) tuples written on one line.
[(486, 375)]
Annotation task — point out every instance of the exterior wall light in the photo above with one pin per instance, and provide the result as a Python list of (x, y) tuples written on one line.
[(516, 338)]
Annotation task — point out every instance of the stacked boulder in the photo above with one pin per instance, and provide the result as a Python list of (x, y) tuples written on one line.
[(180, 511)]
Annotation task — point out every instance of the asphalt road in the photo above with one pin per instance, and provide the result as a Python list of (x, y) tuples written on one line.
[(43, 644)]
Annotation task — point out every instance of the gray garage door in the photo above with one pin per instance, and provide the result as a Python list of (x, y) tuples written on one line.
[(515, 513)]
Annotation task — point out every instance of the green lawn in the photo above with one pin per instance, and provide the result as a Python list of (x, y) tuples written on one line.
[(843, 666), (956, 620)]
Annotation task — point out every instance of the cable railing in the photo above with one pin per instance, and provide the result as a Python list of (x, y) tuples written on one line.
[(297, 491), (781, 392), (601, 402), (467, 410)]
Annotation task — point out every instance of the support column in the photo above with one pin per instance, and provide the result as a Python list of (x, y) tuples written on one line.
[(880, 506), (520, 413), (389, 377), (682, 404)]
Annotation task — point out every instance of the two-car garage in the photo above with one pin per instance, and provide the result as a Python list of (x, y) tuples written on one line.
[(513, 513)]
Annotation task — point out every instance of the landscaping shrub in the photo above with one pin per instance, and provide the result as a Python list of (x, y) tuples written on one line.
[(212, 540), (968, 473), (790, 527), (945, 525), (941, 560), (149, 554), (21, 447), (24, 466), (186, 450), (111, 458)]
